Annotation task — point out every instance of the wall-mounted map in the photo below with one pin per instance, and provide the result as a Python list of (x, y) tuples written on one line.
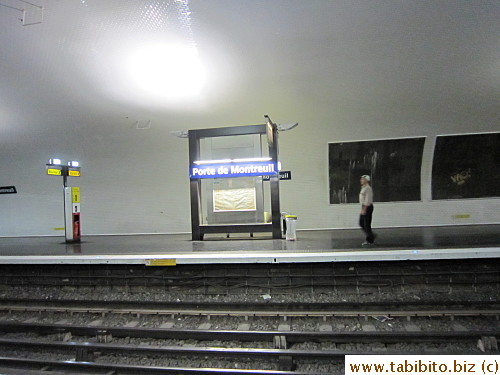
[(393, 164)]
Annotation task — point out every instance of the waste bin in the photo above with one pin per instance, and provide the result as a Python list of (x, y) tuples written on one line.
[(291, 227), (283, 222)]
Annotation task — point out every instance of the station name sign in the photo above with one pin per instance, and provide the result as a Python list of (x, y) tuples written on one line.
[(230, 170)]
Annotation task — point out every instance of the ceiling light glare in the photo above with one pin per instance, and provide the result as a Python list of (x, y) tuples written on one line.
[(167, 71)]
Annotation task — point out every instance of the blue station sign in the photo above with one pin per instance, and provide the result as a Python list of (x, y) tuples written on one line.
[(230, 170)]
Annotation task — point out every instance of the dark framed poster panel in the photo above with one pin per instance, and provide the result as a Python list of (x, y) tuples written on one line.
[(393, 164), (466, 166)]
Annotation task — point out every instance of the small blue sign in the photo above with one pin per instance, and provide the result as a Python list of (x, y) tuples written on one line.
[(230, 170)]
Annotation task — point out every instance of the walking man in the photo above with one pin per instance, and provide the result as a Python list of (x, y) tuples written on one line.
[(365, 218)]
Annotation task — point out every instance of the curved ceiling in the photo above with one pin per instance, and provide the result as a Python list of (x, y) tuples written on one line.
[(81, 63)]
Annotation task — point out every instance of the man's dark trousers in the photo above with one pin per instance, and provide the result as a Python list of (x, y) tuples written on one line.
[(365, 222)]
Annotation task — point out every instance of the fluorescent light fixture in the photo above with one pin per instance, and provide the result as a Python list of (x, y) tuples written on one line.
[(222, 161), (285, 127), (54, 162), (249, 160), (73, 163), (219, 161), (180, 133)]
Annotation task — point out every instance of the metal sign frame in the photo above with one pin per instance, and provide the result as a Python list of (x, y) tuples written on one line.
[(198, 230)]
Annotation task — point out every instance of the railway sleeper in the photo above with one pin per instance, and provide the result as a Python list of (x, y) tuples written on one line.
[(286, 363), (84, 355)]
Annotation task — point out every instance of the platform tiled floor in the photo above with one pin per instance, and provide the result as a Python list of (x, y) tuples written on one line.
[(310, 246)]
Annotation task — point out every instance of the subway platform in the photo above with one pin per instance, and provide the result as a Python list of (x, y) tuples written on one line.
[(343, 245)]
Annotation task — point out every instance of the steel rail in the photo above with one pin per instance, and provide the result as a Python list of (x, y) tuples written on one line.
[(203, 351), (268, 305), (291, 337), (470, 308), (109, 368), (257, 313)]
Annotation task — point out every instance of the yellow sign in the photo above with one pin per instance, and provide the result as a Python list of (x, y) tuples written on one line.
[(161, 262), (461, 216), (75, 195), (74, 173), (53, 171)]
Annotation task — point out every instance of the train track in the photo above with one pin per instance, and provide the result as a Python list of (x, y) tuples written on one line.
[(283, 354), (14, 366), (483, 308), (146, 326), (86, 355), (290, 337)]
